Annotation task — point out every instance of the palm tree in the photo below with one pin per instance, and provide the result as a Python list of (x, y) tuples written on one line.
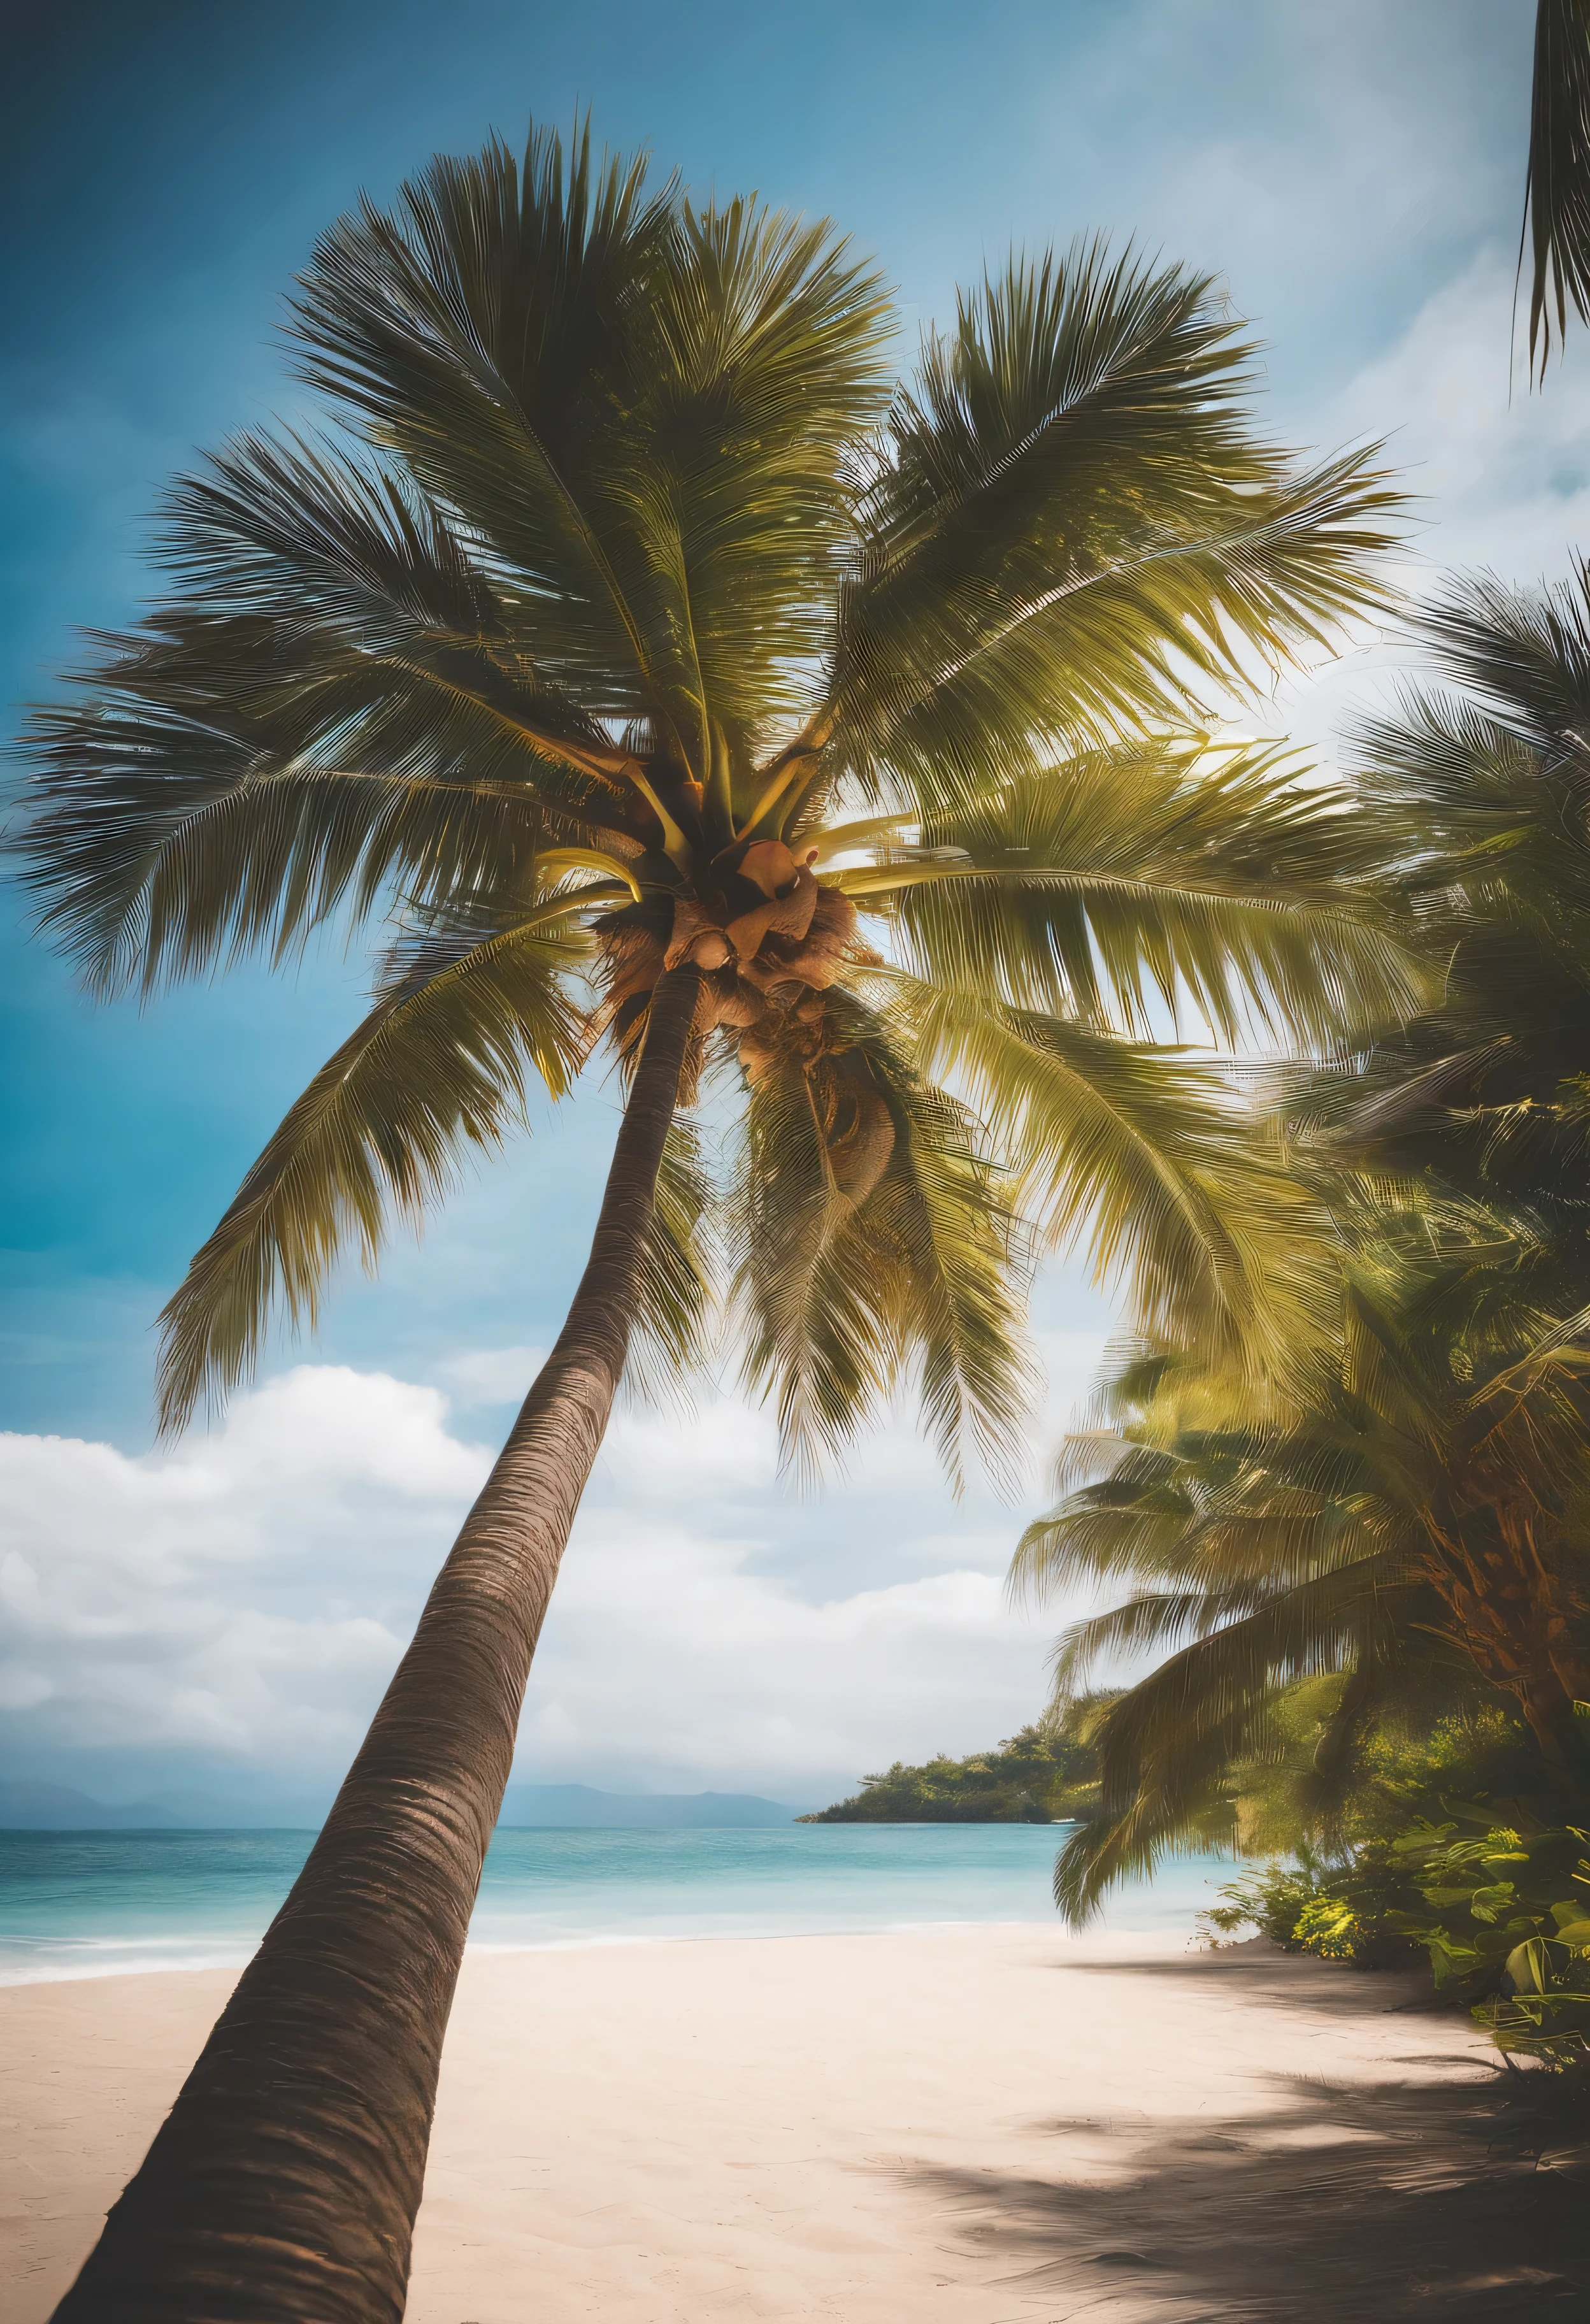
[(1435, 1487), (1433, 1481), (629, 638)]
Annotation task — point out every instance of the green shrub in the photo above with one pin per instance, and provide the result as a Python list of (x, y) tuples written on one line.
[(1501, 1915), (1271, 1901), (1504, 1918), (1335, 1907), (1331, 1929)]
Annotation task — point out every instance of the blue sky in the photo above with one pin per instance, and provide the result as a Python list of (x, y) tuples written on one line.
[(1353, 173)]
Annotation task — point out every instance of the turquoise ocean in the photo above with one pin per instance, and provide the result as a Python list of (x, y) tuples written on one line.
[(99, 1903)]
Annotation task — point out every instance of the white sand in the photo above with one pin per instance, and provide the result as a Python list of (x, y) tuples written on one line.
[(971, 2124)]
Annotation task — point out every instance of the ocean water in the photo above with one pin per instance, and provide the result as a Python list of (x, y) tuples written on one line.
[(91, 1904)]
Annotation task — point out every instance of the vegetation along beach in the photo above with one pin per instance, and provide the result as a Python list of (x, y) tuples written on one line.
[(956, 882)]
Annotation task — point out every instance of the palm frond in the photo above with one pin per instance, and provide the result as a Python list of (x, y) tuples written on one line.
[(1482, 798), (1146, 1161), (871, 1243), (726, 506), (681, 1288), (1099, 1855), (358, 562), (1149, 1622), (817, 1335), (1160, 878), (1075, 526), (220, 789), (1168, 1744), (1523, 654), (1234, 1643), (438, 1067), (644, 409), (1106, 1531), (1557, 200), (478, 329), (298, 530)]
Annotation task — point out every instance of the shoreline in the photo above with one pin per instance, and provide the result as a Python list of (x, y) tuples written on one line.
[(481, 1948), (115, 1907), (990, 2121)]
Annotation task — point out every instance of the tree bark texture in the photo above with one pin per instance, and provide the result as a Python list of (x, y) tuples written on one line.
[(1508, 1612), (283, 2185)]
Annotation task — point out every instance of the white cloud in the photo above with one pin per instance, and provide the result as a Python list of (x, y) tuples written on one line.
[(1500, 475), (667, 1646), (709, 1630), (241, 1599), (325, 1423), (1503, 471), (198, 1599), (724, 1447), (494, 1374)]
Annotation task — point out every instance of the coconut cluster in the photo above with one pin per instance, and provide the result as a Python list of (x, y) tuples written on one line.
[(767, 936)]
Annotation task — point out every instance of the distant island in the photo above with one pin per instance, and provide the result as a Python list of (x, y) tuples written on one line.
[(1038, 1776)]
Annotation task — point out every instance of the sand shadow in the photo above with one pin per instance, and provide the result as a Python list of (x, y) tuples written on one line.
[(1261, 1972), (1421, 2200)]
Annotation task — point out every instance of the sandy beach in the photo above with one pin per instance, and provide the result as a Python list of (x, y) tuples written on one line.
[(976, 2125)]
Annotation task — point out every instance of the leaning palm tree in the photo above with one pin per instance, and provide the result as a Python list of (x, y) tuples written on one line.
[(632, 642)]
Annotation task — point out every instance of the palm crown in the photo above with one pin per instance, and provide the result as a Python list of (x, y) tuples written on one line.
[(628, 620)]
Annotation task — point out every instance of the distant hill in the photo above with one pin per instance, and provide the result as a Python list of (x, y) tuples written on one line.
[(576, 1805), (57, 1807)]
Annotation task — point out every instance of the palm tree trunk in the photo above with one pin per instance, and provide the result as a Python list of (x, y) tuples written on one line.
[(1508, 1612), (283, 2186)]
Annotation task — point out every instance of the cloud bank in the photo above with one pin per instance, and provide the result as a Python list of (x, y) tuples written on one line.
[(238, 1603)]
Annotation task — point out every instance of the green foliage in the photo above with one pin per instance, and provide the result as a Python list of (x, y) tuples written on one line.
[(1477, 789), (1041, 1775), (1447, 1738), (868, 1230), (1412, 1503), (1480, 1751), (1353, 1896), (1331, 1929), (1289, 1903), (1501, 1912), (1446, 1850), (1013, 595), (1412, 1498)]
